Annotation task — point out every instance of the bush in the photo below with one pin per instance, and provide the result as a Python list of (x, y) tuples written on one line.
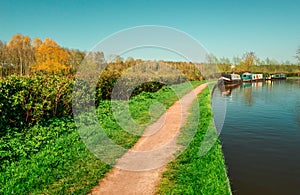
[(25, 100)]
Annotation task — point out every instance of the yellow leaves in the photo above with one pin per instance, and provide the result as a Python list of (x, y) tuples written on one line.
[(50, 57), (19, 42), (15, 40), (21, 55), (37, 43)]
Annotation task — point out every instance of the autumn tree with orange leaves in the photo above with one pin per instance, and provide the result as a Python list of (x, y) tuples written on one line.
[(50, 57), (24, 56)]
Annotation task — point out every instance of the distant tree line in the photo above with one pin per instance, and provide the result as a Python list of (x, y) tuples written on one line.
[(24, 56), (251, 63)]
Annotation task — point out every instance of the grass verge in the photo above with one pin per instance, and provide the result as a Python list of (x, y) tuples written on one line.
[(51, 158), (294, 77), (191, 173)]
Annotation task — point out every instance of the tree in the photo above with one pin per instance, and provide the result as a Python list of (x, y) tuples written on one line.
[(118, 59), (37, 43), (50, 57), (225, 60), (99, 60), (76, 58), (21, 52), (3, 58), (267, 61), (298, 55), (236, 60), (212, 59), (248, 61)]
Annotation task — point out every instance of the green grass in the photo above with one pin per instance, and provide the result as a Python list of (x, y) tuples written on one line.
[(51, 158), (294, 77), (191, 173)]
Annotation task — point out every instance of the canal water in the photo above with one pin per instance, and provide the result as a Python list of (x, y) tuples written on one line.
[(261, 136)]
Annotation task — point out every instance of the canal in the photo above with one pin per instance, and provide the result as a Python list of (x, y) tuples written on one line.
[(261, 136)]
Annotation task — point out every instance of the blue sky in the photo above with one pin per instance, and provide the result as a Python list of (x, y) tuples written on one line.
[(229, 28)]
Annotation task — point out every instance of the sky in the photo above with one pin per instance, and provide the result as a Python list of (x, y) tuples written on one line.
[(227, 28)]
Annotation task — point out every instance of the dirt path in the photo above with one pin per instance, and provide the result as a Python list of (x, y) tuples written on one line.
[(140, 169)]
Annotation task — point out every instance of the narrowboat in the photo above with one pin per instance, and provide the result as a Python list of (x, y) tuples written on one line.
[(276, 76), (247, 77), (257, 77), (230, 79)]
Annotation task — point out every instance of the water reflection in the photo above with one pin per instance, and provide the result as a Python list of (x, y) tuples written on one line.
[(226, 90), (297, 116), (246, 88), (247, 91)]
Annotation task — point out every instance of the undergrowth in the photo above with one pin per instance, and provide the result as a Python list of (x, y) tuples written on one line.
[(51, 158)]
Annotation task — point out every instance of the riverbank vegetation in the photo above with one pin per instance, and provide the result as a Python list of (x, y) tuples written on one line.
[(49, 157), (40, 148), (190, 172)]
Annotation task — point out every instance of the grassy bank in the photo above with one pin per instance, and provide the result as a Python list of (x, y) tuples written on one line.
[(293, 77), (191, 173), (50, 157)]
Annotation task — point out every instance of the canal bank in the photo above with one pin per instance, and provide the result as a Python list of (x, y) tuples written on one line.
[(191, 172)]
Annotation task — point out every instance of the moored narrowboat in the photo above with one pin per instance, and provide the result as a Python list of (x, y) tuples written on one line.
[(230, 79), (246, 77), (276, 76), (257, 77)]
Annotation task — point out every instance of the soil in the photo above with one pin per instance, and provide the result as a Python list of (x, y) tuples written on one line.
[(140, 169)]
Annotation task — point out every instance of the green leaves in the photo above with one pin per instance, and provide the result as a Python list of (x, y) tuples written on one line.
[(50, 157), (27, 100)]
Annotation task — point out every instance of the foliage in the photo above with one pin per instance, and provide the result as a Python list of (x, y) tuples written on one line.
[(23, 56), (251, 63), (298, 55), (20, 46), (27, 100), (289, 70), (248, 61), (51, 58), (50, 157), (191, 173)]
